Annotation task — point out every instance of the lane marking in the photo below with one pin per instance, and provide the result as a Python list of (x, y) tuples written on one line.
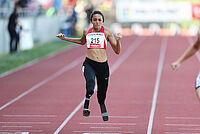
[(184, 125), (61, 71), (21, 131), (120, 124), (18, 132), (105, 132), (189, 128), (179, 133), (187, 118), (17, 126), (122, 117), (121, 59), (98, 132), (107, 127), (24, 122), (156, 88), (30, 116)]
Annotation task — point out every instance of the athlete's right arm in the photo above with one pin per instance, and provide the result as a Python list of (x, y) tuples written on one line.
[(80, 41), (187, 54)]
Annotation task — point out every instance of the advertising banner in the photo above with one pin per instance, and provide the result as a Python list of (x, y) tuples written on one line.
[(129, 11), (196, 11)]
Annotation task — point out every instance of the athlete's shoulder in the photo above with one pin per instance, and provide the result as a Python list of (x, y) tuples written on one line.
[(107, 31), (86, 30)]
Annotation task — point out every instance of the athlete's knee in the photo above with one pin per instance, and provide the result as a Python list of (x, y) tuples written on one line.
[(90, 84), (90, 87), (89, 93)]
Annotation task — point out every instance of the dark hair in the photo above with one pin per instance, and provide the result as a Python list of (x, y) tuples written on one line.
[(96, 12), (16, 9)]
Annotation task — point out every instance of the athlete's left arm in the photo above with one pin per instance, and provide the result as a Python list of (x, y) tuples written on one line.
[(190, 51), (115, 42)]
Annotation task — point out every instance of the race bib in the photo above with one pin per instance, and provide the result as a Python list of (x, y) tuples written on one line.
[(96, 40)]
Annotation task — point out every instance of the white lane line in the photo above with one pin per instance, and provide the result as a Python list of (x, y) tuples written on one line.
[(21, 131), (121, 117), (194, 129), (30, 116), (105, 132), (61, 71), (156, 88), (24, 122), (16, 126), (185, 118), (184, 125), (98, 132), (179, 133), (121, 59), (191, 42), (120, 124), (105, 127)]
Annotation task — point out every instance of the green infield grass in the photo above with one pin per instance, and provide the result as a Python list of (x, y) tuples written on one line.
[(12, 61)]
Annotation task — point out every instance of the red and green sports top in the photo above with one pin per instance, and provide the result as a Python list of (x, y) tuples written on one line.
[(97, 39)]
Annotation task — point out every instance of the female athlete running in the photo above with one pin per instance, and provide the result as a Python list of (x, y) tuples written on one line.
[(96, 64)]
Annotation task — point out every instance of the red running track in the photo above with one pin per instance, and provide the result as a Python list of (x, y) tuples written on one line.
[(144, 97)]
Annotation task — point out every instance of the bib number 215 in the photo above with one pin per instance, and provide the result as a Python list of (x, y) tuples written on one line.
[(95, 40)]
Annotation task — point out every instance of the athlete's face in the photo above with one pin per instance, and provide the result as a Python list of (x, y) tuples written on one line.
[(97, 21)]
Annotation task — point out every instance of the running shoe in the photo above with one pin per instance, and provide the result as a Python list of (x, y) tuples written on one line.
[(104, 113), (86, 112), (105, 116)]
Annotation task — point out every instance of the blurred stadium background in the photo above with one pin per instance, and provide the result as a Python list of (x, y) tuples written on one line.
[(42, 20)]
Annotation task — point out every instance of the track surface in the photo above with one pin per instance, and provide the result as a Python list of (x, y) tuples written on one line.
[(144, 97)]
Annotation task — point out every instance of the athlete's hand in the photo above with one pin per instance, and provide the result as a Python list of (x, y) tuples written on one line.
[(175, 65), (61, 36), (118, 36)]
